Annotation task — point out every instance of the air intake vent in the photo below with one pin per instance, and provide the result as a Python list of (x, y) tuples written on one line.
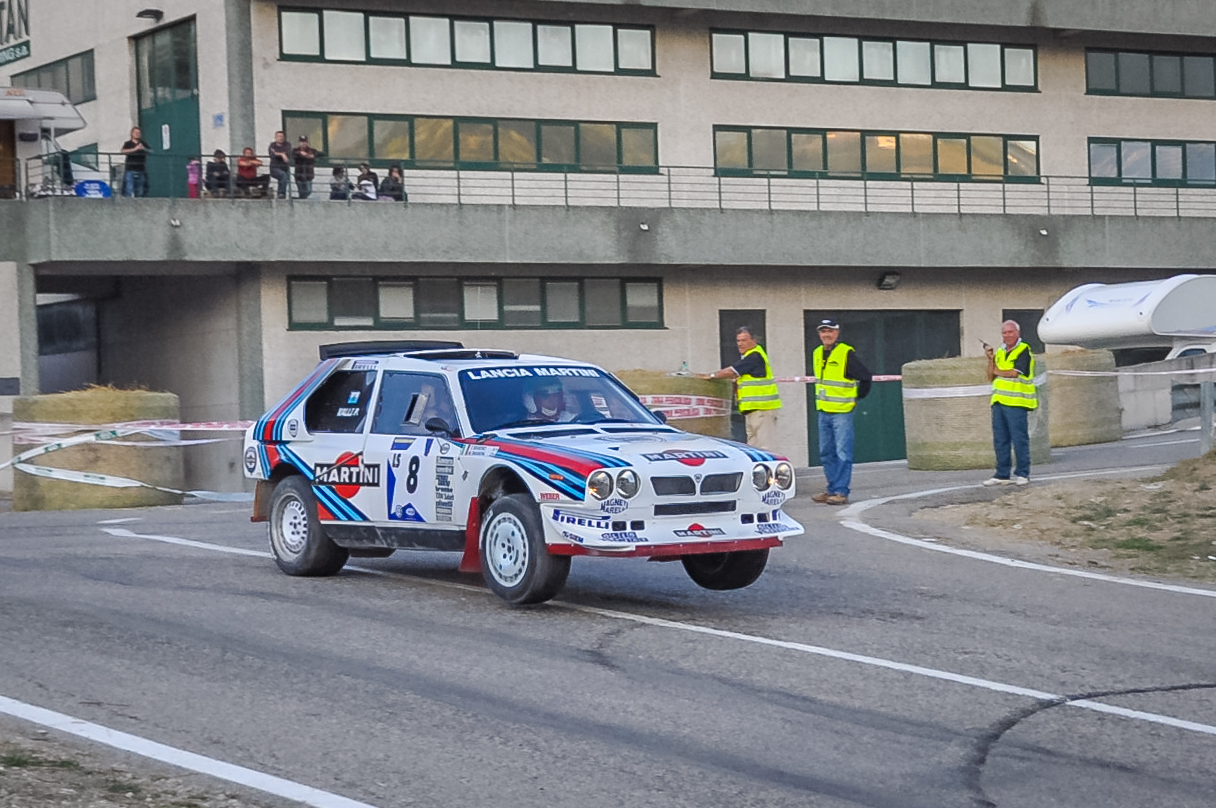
[(721, 483), (694, 508), (673, 486)]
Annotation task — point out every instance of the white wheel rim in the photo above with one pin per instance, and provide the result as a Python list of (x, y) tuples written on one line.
[(293, 526), (507, 549)]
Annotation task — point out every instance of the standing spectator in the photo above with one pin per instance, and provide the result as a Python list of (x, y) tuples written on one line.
[(247, 173), (194, 169), (305, 157), (757, 392), (135, 172), (1011, 371), (340, 186), (280, 162), (841, 380), (393, 186), (218, 174)]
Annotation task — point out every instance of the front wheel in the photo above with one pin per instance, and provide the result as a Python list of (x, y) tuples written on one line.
[(721, 571), (297, 540), (515, 562)]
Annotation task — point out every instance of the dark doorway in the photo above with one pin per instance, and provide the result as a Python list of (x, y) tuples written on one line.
[(1028, 321), (730, 321), (8, 160), (884, 341), (167, 80)]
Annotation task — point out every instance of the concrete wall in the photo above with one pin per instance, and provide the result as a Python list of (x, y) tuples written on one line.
[(1146, 399), (181, 335)]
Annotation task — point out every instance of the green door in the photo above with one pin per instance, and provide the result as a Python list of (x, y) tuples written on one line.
[(884, 341), (167, 75)]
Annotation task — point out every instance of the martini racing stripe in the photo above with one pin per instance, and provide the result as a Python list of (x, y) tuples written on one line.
[(270, 426), (336, 505), (569, 483), (580, 461), (757, 455)]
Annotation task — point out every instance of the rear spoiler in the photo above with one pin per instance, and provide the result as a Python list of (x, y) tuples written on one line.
[(382, 347)]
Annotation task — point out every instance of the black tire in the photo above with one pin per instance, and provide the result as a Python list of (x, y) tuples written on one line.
[(515, 562), (721, 571), (297, 540)]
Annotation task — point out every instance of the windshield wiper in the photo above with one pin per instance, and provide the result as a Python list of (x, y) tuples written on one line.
[(527, 422)]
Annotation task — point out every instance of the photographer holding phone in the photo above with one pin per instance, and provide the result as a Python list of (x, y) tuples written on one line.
[(1011, 371)]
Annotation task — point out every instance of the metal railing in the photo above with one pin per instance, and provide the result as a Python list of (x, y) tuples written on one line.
[(671, 187)]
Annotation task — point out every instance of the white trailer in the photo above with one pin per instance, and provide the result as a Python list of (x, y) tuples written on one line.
[(1140, 321)]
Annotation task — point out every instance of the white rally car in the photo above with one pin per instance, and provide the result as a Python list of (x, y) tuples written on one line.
[(519, 461)]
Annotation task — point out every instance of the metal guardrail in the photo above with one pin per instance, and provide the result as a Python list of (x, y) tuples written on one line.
[(682, 187)]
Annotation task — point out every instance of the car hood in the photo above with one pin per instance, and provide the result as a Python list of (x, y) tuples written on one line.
[(647, 450)]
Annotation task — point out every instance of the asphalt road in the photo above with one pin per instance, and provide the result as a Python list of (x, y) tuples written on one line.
[(858, 671)]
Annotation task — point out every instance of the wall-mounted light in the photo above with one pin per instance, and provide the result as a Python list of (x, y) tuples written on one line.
[(888, 281), (153, 14), (643, 227), (1042, 231)]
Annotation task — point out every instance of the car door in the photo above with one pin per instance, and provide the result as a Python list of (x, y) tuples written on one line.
[(418, 467)]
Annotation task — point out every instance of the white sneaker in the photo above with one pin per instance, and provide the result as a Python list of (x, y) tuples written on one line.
[(997, 481), (1021, 481)]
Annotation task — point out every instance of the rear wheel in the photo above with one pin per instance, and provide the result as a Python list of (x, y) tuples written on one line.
[(515, 562), (723, 571), (297, 540)]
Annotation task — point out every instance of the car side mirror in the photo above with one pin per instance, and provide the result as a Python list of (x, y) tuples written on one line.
[(662, 416), (438, 426)]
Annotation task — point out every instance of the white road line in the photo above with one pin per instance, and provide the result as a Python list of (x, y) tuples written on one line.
[(850, 517), (877, 662), (177, 757), (122, 532), (119, 521)]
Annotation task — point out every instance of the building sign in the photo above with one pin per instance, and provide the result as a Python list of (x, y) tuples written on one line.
[(14, 30)]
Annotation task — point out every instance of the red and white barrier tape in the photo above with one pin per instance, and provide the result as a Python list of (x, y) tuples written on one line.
[(679, 407)]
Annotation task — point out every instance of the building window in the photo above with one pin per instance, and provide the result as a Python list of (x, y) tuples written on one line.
[(1162, 75), (475, 303), (1152, 162), (479, 143), (766, 151), (443, 41), (770, 56), (72, 76)]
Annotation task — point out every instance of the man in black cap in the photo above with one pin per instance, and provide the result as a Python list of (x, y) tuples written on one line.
[(306, 165), (840, 380)]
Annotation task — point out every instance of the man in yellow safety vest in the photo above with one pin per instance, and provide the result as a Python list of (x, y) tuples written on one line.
[(840, 381), (1011, 371), (757, 390)]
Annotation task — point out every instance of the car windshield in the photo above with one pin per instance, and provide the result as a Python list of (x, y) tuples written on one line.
[(536, 395)]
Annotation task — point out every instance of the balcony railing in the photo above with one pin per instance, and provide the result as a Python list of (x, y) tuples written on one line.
[(672, 187)]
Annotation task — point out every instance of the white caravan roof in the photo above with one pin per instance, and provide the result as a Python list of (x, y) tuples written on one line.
[(1130, 315), (48, 107)]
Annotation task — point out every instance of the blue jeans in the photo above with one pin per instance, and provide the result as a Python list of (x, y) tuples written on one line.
[(282, 177), (836, 450), (134, 183), (1010, 427), (305, 188)]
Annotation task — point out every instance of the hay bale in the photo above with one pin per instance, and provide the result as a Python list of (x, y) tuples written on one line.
[(92, 407), (1085, 409), (949, 425), (656, 383)]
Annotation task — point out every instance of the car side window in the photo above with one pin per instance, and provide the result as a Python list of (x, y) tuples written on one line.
[(409, 400), (341, 403)]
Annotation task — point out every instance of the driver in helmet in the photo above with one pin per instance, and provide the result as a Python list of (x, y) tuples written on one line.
[(550, 402)]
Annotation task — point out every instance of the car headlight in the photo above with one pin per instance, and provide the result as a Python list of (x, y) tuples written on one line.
[(628, 483), (784, 475), (761, 477), (600, 484)]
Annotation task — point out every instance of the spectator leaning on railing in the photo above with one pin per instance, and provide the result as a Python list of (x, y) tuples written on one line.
[(247, 178), (280, 161), (305, 157)]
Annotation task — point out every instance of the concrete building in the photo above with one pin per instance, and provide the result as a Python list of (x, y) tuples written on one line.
[(624, 182)]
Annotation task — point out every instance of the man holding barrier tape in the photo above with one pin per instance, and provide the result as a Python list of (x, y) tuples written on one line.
[(756, 390), (1011, 371)]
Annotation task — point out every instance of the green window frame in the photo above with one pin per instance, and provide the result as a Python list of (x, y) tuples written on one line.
[(1150, 162), (743, 151), (748, 55), (1150, 74), (322, 303), (477, 43), (73, 76), (483, 144)]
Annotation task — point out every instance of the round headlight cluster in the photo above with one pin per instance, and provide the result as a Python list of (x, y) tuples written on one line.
[(628, 483), (784, 475), (600, 484), (762, 478)]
